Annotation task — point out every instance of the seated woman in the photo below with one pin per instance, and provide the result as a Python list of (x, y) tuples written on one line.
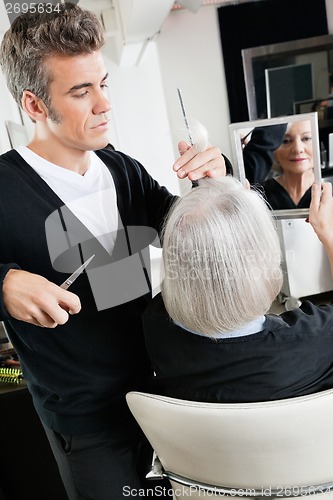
[(292, 187), (209, 335)]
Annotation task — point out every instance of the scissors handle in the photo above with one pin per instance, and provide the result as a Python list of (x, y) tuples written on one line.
[(70, 280), (66, 284)]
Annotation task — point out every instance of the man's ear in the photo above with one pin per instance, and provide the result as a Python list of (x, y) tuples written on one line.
[(34, 106)]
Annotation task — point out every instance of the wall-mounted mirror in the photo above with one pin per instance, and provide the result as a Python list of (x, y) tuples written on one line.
[(303, 66), (281, 156)]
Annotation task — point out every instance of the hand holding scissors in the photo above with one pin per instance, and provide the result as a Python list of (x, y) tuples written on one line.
[(32, 298)]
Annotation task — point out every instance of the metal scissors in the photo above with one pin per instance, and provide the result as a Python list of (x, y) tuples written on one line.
[(67, 283)]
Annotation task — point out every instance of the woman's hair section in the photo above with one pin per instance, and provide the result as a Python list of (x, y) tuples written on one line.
[(221, 257)]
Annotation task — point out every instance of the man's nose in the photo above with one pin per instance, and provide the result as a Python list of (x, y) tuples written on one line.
[(102, 104)]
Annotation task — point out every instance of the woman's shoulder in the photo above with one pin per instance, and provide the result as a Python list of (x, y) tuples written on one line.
[(308, 319)]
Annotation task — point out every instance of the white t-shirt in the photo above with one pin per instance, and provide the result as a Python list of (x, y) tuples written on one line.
[(91, 197)]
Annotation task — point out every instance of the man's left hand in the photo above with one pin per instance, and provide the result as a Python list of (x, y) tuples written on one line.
[(196, 165)]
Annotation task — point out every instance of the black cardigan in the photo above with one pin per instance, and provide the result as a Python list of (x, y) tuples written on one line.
[(78, 373), (291, 356)]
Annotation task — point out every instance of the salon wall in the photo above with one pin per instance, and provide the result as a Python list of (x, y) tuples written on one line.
[(140, 124), (8, 107), (146, 110), (147, 117), (8, 112), (190, 58)]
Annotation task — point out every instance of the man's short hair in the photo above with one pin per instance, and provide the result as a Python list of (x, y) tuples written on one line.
[(37, 35)]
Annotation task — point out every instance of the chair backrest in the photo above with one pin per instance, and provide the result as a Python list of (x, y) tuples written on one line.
[(265, 446)]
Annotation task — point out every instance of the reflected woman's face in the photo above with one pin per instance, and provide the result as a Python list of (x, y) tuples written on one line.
[(295, 153)]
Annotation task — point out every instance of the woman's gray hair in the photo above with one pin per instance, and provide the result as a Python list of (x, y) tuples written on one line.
[(221, 257), (35, 36)]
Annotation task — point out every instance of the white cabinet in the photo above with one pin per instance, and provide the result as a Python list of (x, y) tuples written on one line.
[(305, 263)]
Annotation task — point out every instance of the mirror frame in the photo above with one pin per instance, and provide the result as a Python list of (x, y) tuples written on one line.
[(236, 129)]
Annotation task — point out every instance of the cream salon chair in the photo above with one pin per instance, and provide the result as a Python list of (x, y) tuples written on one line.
[(276, 449)]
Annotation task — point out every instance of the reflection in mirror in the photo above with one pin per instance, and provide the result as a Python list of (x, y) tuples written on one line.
[(281, 156), (304, 68)]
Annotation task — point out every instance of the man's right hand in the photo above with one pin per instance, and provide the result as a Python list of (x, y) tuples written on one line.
[(31, 298)]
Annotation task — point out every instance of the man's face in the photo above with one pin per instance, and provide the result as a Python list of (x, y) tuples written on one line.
[(78, 115)]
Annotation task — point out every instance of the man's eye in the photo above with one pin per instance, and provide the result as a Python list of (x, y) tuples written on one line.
[(79, 96)]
